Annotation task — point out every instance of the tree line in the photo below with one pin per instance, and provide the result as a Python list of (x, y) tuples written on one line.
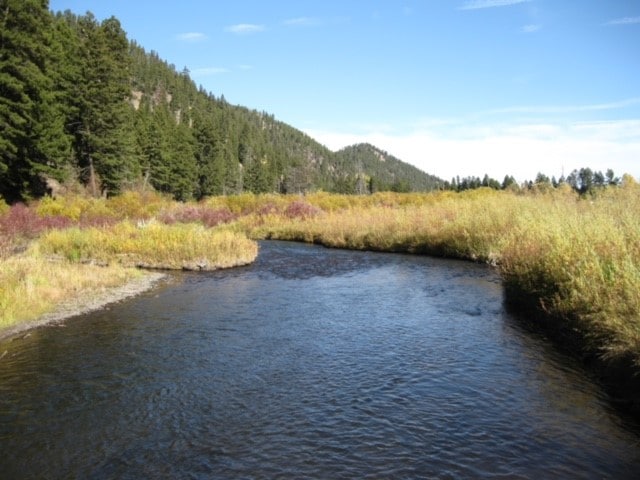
[(583, 181)]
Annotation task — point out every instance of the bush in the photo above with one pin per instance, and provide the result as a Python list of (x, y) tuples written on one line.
[(151, 245), (134, 205), (209, 217), (300, 209), (22, 221)]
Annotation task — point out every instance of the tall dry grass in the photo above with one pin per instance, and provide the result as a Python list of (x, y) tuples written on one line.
[(31, 287), (581, 261), (150, 245), (468, 225), (577, 258), (57, 249)]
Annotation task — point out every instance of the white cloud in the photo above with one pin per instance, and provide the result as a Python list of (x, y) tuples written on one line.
[(191, 37), (245, 28), (503, 149), (530, 28), (208, 71), (478, 4), (624, 21), (564, 109)]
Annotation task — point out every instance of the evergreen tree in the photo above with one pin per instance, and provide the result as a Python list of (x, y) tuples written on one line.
[(56, 109), (184, 170), (103, 144), (209, 174), (77, 99), (508, 182), (23, 90), (585, 180)]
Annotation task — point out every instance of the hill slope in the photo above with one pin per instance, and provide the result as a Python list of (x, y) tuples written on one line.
[(88, 105), (384, 171)]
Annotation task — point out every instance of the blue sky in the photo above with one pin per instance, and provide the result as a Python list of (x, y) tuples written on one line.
[(455, 87)]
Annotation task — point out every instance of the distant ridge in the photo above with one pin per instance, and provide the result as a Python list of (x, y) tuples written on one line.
[(386, 171)]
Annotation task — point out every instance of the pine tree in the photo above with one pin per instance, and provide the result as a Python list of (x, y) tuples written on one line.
[(23, 87), (209, 172), (56, 109), (104, 144)]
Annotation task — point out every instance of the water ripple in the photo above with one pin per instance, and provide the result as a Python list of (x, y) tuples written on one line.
[(313, 363)]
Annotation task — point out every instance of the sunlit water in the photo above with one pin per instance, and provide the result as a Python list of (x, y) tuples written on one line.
[(311, 363)]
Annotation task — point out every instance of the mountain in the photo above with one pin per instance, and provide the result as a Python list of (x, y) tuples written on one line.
[(84, 104), (248, 150), (384, 171)]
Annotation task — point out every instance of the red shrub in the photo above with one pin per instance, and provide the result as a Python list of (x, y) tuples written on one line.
[(21, 221), (300, 209), (209, 217), (268, 208)]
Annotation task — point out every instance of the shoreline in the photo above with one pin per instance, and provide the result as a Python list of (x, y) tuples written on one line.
[(79, 306)]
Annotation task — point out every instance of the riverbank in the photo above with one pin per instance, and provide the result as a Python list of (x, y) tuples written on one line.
[(85, 302), (571, 260), (73, 250), (576, 259)]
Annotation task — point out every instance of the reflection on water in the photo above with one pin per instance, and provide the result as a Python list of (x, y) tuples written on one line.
[(312, 363)]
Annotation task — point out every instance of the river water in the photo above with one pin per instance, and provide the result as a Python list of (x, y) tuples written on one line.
[(311, 363)]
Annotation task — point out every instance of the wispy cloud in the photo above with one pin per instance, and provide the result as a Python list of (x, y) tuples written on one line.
[(530, 28), (301, 22), (208, 71), (624, 21), (478, 4), (565, 109), (191, 37), (245, 28)]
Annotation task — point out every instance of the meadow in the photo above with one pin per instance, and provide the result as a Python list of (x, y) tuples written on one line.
[(575, 259)]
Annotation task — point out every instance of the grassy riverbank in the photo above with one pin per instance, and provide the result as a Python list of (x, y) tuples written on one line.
[(575, 258), (77, 247), (31, 286)]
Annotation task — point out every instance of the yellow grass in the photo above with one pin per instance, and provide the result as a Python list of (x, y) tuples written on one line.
[(577, 258), (151, 245), (581, 260), (74, 262), (128, 205), (466, 225), (31, 286)]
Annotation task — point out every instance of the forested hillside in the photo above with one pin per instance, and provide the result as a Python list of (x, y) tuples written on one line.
[(383, 171), (80, 103)]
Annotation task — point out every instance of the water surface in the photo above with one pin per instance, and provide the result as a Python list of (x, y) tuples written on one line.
[(311, 363)]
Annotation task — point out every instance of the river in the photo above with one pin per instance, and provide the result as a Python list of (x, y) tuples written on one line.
[(310, 363)]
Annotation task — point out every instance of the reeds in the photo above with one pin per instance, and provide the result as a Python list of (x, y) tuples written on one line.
[(581, 262), (468, 225)]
